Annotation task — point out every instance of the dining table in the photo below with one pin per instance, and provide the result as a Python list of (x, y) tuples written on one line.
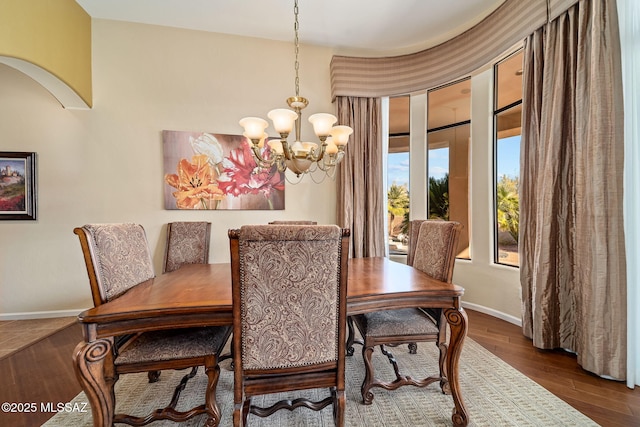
[(199, 295)]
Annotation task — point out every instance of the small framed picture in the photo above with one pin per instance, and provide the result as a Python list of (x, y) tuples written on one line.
[(17, 186)]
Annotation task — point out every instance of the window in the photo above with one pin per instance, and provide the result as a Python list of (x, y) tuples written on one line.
[(507, 130), (448, 138), (398, 175)]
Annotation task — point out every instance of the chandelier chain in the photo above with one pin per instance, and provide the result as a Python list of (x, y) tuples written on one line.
[(301, 158), (296, 43)]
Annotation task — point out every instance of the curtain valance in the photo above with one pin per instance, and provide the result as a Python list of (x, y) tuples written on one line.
[(386, 76)]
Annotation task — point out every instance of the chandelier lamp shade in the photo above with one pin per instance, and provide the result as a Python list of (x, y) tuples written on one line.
[(299, 157)]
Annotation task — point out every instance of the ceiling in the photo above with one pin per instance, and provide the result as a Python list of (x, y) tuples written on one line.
[(378, 26), (358, 27)]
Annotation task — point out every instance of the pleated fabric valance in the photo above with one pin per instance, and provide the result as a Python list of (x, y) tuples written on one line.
[(387, 76)]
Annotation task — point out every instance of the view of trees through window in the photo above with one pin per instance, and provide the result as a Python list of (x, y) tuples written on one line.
[(448, 139), (448, 160), (507, 126), (398, 175)]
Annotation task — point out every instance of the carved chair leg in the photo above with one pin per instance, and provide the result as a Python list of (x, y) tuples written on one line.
[(246, 408), (212, 369), (444, 382), (350, 336), (154, 376), (367, 396), (413, 348), (237, 417), (339, 405)]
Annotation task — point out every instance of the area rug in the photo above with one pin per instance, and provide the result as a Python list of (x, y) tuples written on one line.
[(495, 395)]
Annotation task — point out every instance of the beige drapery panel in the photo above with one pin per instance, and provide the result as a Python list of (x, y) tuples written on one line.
[(493, 36), (571, 225), (359, 204)]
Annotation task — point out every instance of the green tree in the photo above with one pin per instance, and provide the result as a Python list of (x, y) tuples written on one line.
[(439, 198), (397, 203), (508, 205)]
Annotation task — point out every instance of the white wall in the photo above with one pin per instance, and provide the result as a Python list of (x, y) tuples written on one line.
[(105, 164)]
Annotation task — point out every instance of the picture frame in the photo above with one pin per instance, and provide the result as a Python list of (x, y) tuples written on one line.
[(17, 186)]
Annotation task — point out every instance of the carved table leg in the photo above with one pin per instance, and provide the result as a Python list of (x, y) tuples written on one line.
[(93, 363), (457, 319), (350, 337)]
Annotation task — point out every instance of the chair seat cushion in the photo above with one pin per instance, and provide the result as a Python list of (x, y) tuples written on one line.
[(405, 321), (174, 344)]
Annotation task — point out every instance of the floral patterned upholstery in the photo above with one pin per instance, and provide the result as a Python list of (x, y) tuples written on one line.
[(121, 257), (187, 243), (175, 344), (406, 321), (435, 249), (414, 230), (289, 278)]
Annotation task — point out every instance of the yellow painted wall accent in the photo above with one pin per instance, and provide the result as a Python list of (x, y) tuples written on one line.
[(54, 35)]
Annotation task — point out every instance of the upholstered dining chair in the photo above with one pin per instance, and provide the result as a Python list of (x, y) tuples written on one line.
[(293, 222), (117, 258), (413, 230), (435, 247), (289, 315), (186, 243)]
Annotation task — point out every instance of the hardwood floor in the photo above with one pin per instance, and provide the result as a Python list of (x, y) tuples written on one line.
[(43, 373), (17, 334), (609, 403), (39, 374)]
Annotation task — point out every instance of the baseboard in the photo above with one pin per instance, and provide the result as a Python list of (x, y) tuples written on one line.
[(491, 312), (41, 314)]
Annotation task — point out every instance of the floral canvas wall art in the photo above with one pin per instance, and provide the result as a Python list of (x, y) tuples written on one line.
[(215, 171)]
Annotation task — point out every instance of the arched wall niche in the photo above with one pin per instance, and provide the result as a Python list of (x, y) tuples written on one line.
[(64, 93), (50, 41)]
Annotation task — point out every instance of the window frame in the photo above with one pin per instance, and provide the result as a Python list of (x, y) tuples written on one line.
[(495, 114)]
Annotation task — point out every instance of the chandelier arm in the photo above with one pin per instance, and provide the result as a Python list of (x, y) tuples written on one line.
[(328, 163), (262, 162)]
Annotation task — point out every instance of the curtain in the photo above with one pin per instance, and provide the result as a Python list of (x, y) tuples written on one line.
[(572, 252), (629, 13), (360, 202)]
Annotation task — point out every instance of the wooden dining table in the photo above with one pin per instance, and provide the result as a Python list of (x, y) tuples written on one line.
[(200, 295)]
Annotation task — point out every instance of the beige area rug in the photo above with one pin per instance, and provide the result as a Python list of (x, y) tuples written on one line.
[(495, 395)]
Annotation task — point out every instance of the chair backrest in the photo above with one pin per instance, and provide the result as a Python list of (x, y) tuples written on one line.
[(414, 229), (289, 295), (187, 243), (435, 249), (293, 222), (117, 258)]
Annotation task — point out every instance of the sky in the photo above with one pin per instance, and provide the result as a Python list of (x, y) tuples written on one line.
[(508, 162), (16, 165)]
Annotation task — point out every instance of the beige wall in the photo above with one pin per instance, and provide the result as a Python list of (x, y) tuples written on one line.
[(489, 287), (105, 164)]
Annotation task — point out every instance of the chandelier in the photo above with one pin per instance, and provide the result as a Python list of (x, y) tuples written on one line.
[(299, 157)]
